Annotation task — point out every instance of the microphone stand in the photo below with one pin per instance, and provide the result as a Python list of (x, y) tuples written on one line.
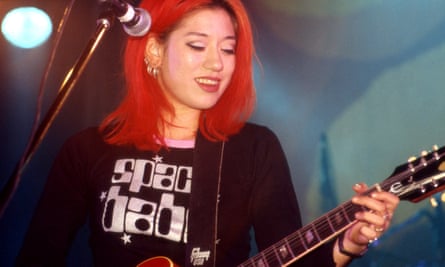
[(104, 23)]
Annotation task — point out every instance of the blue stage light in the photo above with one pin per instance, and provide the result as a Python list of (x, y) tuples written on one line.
[(26, 27)]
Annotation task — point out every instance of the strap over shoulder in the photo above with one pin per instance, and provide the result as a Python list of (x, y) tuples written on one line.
[(203, 217)]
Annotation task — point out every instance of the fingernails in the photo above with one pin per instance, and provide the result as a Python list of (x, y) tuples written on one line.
[(358, 187)]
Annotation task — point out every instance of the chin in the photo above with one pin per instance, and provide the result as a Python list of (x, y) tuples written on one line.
[(206, 105)]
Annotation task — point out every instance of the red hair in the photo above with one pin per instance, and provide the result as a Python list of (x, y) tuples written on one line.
[(136, 119)]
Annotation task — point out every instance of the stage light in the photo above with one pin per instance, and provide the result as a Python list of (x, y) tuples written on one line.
[(26, 27), (442, 197)]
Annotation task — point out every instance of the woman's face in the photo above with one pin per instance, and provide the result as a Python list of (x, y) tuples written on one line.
[(198, 60)]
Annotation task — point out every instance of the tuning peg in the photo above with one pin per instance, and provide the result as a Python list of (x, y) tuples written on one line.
[(435, 183), (434, 202), (410, 163), (435, 149), (424, 153)]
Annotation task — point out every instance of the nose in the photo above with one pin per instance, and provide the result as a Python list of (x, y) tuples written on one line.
[(213, 60)]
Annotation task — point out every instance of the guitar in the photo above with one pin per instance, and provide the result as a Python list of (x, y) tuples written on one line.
[(159, 261), (414, 181)]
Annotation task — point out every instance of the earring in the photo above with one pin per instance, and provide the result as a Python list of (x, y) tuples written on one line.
[(151, 70)]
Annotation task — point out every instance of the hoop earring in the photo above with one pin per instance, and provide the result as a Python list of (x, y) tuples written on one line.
[(151, 70)]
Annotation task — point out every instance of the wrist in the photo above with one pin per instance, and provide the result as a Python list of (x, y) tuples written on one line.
[(347, 252)]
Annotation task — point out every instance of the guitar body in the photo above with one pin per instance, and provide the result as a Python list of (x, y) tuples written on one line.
[(159, 261)]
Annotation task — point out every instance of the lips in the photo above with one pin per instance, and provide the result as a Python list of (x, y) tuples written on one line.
[(208, 84)]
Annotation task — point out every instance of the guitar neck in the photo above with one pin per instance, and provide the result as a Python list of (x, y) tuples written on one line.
[(413, 181), (306, 239)]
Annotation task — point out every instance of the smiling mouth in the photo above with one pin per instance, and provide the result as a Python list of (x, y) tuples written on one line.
[(209, 85), (207, 81)]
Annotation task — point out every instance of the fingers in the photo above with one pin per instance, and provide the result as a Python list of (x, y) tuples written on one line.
[(362, 233), (383, 203), (369, 233), (371, 223), (375, 222), (360, 188), (377, 218)]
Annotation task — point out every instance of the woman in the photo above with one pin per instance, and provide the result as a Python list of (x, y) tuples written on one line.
[(176, 170)]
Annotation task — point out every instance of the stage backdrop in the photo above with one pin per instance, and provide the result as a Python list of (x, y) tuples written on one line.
[(352, 89)]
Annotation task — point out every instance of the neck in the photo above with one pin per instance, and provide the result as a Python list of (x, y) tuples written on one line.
[(181, 126), (178, 133)]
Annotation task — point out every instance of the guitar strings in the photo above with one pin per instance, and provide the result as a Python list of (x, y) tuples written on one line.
[(316, 232), (307, 237)]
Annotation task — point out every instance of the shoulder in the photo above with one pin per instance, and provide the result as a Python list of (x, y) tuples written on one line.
[(88, 136), (255, 132), (88, 141), (254, 139)]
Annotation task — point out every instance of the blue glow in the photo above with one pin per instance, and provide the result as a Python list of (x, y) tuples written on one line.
[(26, 27)]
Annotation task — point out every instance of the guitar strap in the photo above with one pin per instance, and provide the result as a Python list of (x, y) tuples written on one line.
[(203, 210)]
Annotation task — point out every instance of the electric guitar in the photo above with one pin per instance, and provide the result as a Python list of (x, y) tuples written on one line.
[(414, 181)]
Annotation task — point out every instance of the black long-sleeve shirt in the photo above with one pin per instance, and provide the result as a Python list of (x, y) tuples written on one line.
[(138, 202)]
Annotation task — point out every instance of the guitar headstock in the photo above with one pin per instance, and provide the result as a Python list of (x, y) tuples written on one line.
[(421, 177)]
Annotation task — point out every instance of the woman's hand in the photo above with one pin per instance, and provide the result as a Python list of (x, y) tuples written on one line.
[(370, 225)]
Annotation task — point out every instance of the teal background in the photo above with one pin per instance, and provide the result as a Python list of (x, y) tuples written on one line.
[(352, 89)]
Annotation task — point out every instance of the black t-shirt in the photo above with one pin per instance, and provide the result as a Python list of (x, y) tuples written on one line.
[(137, 202), (147, 198)]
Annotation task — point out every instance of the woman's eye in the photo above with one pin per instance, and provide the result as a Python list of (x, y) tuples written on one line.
[(196, 47), (229, 51)]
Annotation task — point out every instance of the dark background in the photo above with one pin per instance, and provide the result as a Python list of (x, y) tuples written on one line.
[(352, 88)]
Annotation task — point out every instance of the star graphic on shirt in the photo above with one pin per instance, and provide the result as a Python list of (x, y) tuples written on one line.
[(157, 159), (103, 196), (126, 238)]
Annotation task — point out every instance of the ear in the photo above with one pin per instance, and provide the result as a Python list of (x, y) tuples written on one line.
[(154, 51)]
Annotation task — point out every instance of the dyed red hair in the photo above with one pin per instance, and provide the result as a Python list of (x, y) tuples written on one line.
[(136, 119)]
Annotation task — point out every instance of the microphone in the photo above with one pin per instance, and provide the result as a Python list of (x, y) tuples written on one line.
[(135, 21)]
